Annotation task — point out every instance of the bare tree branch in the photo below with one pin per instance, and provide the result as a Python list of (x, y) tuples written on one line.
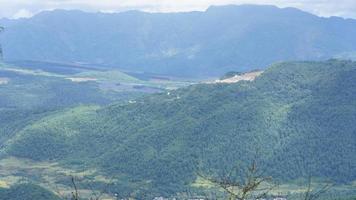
[(250, 183)]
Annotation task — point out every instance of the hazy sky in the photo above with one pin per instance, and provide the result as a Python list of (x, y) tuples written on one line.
[(27, 8)]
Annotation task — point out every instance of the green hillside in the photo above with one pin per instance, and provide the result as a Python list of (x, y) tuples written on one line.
[(299, 116), (35, 89), (27, 192), (29, 94)]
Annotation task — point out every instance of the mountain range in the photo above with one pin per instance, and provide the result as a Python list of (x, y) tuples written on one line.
[(189, 44)]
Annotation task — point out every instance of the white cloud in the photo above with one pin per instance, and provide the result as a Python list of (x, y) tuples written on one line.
[(14, 8), (22, 13)]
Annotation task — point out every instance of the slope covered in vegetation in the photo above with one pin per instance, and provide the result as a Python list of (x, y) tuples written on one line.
[(298, 116), (27, 192)]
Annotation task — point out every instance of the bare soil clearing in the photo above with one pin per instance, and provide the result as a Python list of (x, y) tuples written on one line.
[(249, 76)]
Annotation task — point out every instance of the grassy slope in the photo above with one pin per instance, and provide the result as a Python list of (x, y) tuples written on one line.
[(27, 192), (299, 115)]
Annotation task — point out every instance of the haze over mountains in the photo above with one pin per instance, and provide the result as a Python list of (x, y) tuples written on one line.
[(196, 44)]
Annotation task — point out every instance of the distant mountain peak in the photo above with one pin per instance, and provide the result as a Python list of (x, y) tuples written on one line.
[(206, 44)]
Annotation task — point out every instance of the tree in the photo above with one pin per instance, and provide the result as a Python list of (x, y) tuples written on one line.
[(75, 195), (315, 192), (241, 184)]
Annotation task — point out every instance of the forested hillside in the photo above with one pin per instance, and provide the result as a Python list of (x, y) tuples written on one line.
[(196, 44), (35, 89), (298, 116)]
